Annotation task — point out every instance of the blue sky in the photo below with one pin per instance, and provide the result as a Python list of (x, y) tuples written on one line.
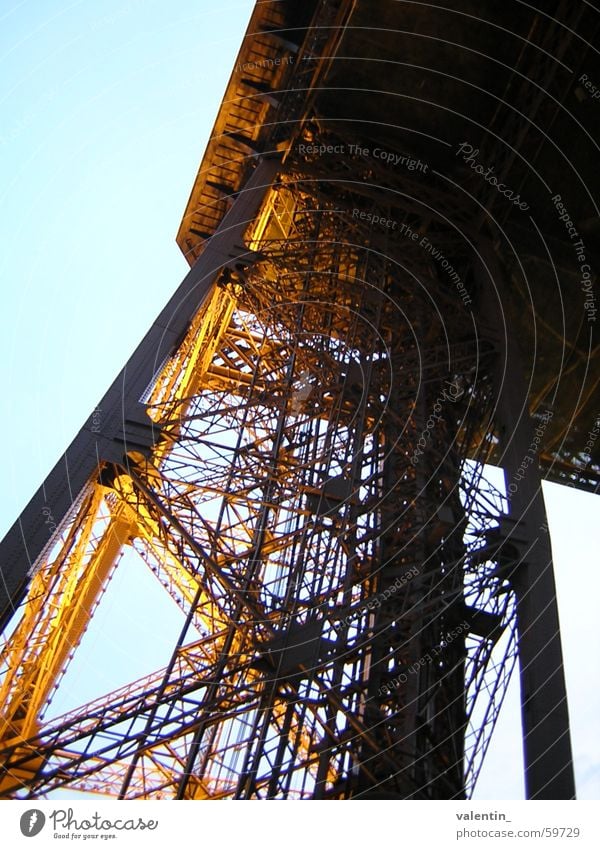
[(105, 110)]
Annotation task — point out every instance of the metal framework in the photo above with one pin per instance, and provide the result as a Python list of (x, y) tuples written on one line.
[(300, 463), (352, 630)]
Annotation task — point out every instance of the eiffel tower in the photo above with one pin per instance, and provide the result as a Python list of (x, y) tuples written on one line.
[(298, 448)]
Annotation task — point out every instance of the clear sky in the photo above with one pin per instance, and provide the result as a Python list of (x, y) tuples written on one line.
[(105, 110)]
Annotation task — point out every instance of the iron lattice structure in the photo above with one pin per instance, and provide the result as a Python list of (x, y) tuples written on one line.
[(297, 448), (344, 633)]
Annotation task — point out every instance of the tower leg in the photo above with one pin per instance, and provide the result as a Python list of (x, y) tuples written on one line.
[(545, 716)]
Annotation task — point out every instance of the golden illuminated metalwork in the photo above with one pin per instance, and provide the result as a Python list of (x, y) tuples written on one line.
[(279, 416)]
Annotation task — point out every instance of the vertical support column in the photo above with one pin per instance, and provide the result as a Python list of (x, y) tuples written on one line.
[(545, 716)]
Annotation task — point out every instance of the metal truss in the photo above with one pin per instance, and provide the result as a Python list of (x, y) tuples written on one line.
[(349, 617)]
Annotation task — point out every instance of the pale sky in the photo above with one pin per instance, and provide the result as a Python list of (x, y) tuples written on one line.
[(105, 110)]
